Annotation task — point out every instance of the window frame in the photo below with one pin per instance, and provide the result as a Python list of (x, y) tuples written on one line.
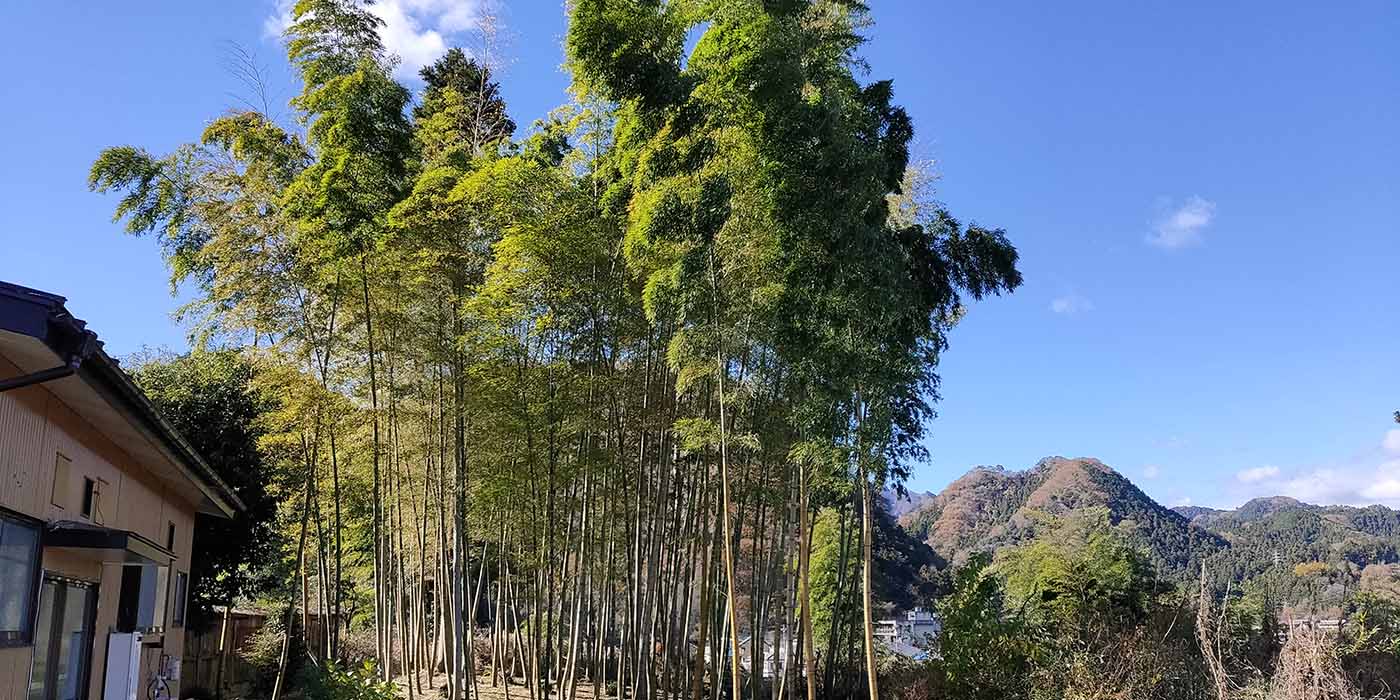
[(63, 586), (62, 477), (24, 636), (88, 504), (180, 595)]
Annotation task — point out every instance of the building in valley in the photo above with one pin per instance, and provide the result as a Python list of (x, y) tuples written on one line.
[(98, 499), (912, 635)]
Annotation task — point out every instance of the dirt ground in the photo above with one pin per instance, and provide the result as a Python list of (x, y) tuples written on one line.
[(518, 691)]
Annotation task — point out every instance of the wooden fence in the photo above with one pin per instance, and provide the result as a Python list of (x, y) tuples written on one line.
[(217, 670)]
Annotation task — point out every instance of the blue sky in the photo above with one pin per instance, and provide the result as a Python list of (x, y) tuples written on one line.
[(1204, 196)]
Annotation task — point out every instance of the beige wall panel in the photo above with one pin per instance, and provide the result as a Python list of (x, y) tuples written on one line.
[(93, 457), (141, 510), (22, 428), (67, 563), (14, 673)]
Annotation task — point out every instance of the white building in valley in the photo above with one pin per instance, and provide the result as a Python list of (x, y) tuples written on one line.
[(912, 635)]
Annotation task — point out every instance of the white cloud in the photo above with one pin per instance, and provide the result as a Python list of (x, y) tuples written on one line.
[(1257, 474), (1181, 502), (1151, 471), (1323, 487), (1181, 226), (1391, 443), (1359, 482), (279, 20), (417, 31), (1384, 489), (1071, 304)]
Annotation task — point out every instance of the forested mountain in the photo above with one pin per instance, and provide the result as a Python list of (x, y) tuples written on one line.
[(1328, 546), (1321, 551), (897, 504), (990, 507)]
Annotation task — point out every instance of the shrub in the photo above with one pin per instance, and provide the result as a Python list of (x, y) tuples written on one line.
[(334, 682), (263, 650)]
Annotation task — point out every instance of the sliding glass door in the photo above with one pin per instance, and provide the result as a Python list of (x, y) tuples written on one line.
[(62, 640)]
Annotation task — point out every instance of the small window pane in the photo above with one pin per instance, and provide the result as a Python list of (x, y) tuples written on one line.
[(39, 672), (151, 596), (19, 554), (181, 590), (89, 486), (61, 466)]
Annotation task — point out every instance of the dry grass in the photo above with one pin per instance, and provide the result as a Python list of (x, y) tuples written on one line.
[(1308, 666), (1309, 669)]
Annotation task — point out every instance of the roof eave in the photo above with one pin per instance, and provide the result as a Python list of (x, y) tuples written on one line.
[(45, 317)]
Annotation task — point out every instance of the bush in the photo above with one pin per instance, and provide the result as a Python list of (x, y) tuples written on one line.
[(357, 646), (986, 649), (1370, 649), (333, 682), (263, 651)]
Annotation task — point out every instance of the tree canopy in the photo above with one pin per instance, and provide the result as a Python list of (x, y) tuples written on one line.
[(586, 386)]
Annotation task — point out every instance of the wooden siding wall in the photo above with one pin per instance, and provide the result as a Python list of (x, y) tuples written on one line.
[(35, 427)]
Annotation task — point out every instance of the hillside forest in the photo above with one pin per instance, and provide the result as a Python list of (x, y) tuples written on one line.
[(621, 403)]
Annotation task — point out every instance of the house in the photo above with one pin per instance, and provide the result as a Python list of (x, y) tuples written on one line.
[(98, 498), (911, 636), (779, 651)]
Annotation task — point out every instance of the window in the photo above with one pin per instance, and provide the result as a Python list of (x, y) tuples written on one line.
[(62, 640), (19, 574), (182, 582), (92, 499), (61, 466), (142, 599), (170, 537), (89, 497)]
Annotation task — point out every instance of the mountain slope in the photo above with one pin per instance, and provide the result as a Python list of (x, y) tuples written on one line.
[(990, 507), (1283, 531)]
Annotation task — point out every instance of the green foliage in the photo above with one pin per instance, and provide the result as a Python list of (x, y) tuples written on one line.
[(1080, 574), (1373, 625), (159, 194), (1253, 628), (758, 212), (357, 126), (1106, 625), (332, 682), (831, 588), (627, 50), (262, 651), (463, 91), (1323, 549), (706, 269), (1370, 642), (987, 646), (210, 398)]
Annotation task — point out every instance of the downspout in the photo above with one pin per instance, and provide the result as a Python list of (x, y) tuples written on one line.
[(79, 346), (43, 375)]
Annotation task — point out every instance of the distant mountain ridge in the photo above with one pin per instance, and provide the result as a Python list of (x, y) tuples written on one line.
[(992, 507), (897, 505), (1288, 531)]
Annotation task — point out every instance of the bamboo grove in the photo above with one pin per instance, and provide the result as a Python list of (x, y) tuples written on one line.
[(558, 406)]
